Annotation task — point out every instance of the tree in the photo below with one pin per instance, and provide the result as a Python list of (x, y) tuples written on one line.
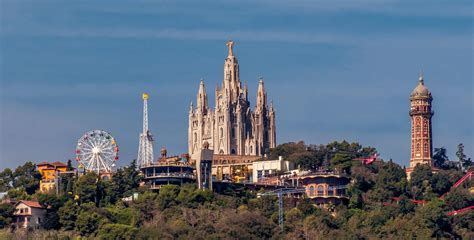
[(6, 179), (53, 203), (440, 159), (146, 205), (86, 188), (167, 196), (68, 215), (342, 162), (117, 231), (27, 177), (243, 225), (463, 159), (124, 183), (51, 220), (440, 182), (419, 184), (88, 222), (432, 220), (459, 198), (6, 214)]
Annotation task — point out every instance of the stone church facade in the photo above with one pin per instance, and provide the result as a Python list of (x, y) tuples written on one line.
[(232, 127)]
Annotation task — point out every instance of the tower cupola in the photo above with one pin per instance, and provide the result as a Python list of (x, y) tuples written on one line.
[(420, 91)]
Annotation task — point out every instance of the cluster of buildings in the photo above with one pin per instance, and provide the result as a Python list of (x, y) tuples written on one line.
[(238, 138), (230, 144)]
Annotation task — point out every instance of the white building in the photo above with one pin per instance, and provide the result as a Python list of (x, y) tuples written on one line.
[(232, 126), (267, 167), (29, 214)]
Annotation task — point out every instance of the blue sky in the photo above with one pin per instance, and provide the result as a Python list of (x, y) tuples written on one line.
[(335, 69)]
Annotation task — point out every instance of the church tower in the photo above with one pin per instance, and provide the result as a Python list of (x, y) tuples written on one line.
[(421, 134), (232, 128)]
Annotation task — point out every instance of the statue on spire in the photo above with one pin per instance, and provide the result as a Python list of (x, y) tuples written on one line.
[(230, 44)]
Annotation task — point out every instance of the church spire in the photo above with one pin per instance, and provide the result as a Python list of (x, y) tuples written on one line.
[(231, 84), (202, 97), (261, 95)]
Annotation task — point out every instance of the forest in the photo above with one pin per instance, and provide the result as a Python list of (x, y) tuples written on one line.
[(91, 208)]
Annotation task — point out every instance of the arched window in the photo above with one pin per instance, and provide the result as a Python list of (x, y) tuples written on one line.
[(320, 190), (195, 137), (232, 151), (251, 149), (222, 133), (233, 132), (311, 190), (417, 147), (425, 147)]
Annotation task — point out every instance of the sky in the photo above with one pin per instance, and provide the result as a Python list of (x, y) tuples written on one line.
[(336, 70)]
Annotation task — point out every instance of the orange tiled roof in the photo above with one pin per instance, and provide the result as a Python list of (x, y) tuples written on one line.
[(43, 163), (34, 204), (58, 164)]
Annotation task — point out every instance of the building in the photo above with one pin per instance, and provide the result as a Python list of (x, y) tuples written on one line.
[(325, 188), (50, 174), (204, 169), (421, 132), (232, 128), (237, 168), (265, 168), (168, 170), (29, 214)]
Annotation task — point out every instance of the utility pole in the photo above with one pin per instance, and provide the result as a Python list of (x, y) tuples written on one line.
[(279, 193)]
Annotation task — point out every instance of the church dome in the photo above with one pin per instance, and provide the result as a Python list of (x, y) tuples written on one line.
[(421, 90)]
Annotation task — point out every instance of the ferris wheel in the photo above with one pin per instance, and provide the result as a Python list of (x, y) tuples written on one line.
[(97, 151)]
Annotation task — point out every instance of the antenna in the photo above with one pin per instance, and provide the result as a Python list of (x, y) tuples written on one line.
[(145, 147)]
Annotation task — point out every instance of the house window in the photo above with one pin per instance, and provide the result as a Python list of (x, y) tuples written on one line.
[(311, 191), (267, 172), (259, 174)]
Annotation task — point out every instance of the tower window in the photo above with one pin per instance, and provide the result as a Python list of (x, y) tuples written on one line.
[(222, 133), (417, 147)]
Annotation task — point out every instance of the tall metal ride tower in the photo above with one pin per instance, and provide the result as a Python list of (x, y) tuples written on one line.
[(145, 149)]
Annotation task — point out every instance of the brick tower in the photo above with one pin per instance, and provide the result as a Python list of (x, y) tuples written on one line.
[(421, 134)]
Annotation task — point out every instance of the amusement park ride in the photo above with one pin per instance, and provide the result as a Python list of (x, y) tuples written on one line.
[(367, 161), (97, 151), (145, 147)]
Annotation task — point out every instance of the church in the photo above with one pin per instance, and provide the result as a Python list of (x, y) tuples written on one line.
[(232, 127)]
